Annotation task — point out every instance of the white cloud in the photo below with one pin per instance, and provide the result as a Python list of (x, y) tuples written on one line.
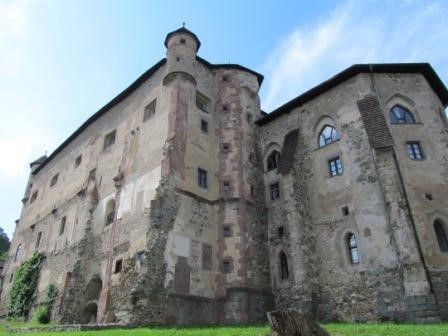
[(356, 32)]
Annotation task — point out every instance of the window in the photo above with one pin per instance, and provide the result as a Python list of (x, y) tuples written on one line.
[(272, 162), (429, 196), (54, 180), (225, 78), (150, 110), (204, 126), (109, 139), (252, 191), (202, 102), (78, 161), (335, 166), (275, 191), (39, 237), (284, 272), (110, 212), (400, 115), (33, 196), (182, 40), (62, 225), (226, 185), (141, 256), (441, 236), (17, 254), (225, 108), (415, 150), (280, 231), (118, 266), (328, 135), (226, 148), (226, 267), (227, 231), (202, 178), (345, 211), (352, 248)]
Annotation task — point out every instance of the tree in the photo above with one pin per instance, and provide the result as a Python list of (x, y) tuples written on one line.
[(4, 242)]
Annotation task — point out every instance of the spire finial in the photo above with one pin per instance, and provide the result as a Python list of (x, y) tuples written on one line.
[(183, 24)]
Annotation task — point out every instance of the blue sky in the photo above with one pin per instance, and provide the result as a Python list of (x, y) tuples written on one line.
[(61, 60)]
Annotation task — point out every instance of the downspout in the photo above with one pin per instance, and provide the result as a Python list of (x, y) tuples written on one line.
[(405, 194)]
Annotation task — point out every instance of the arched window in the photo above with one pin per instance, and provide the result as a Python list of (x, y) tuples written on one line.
[(18, 250), (352, 248), (328, 135), (110, 212), (400, 115), (284, 273), (441, 236), (272, 162)]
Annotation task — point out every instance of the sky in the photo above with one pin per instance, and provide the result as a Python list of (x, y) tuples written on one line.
[(62, 60)]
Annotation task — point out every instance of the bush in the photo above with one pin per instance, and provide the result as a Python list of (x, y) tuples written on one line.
[(42, 314)]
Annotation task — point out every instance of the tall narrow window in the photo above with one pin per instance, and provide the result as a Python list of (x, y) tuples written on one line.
[(109, 139), (62, 225), (204, 126), (335, 166), (284, 272), (327, 135), (400, 115), (272, 161), (110, 212), (38, 239), (17, 254), (275, 191), (202, 178), (150, 110), (441, 236), (33, 196), (78, 161), (415, 150), (353, 248), (118, 266)]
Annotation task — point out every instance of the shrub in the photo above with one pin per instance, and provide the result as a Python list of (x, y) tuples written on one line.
[(42, 314)]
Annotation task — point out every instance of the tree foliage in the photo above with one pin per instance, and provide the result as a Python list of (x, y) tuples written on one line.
[(23, 287), (4, 243), (43, 312)]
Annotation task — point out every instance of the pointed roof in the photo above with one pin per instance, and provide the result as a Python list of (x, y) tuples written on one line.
[(184, 31)]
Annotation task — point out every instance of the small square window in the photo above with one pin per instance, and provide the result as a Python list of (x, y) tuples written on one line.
[(226, 185), (227, 231), (39, 237), (109, 139), (202, 178), (226, 268), (415, 150), (335, 166), (226, 148), (204, 126), (78, 161), (275, 191), (280, 231), (62, 226), (225, 107), (33, 196), (54, 180), (118, 266), (345, 211), (150, 110), (202, 102), (182, 40), (429, 197)]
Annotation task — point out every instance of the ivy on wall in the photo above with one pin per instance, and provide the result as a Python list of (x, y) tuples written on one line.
[(23, 287)]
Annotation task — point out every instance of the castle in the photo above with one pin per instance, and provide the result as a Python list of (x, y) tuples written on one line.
[(181, 202)]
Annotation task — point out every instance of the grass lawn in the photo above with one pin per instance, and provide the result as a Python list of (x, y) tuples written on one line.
[(335, 329)]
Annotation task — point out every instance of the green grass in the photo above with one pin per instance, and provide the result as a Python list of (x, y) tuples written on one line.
[(335, 329)]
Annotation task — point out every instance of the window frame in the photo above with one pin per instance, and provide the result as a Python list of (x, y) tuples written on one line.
[(338, 167), (411, 147), (352, 249), (334, 136), (405, 118), (149, 110), (202, 178)]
